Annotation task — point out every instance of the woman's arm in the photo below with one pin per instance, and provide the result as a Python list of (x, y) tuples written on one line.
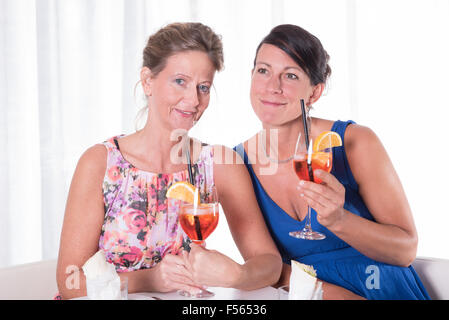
[(80, 235), (392, 237), (263, 264), (82, 221)]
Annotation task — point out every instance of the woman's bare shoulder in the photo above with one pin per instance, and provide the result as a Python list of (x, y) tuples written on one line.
[(93, 160), (367, 157), (358, 135)]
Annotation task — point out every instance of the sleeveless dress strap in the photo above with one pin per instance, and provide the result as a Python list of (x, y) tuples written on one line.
[(241, 151), (341, 168)]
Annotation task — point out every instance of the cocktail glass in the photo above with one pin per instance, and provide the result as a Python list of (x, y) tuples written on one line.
[(199, 220), (305, 161)]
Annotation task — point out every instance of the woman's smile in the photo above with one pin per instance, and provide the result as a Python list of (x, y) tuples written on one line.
[(184, 113), (274, 104)]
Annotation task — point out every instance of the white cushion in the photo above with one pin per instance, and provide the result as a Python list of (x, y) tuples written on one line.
[(31, 281), (433, 273)]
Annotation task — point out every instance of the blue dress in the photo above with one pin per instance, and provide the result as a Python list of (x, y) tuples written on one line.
[(334, 260)]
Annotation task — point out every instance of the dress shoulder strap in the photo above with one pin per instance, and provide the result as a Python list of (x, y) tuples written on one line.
[(340, 167), (114, 155), (340, 126), (241, 152), (111, 143)]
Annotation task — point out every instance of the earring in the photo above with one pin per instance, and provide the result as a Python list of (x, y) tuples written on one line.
[(309, 119)]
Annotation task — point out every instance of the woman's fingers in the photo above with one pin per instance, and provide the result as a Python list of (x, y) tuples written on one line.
[(174, 272), (329, 180), (183, 280), (328, 212), (331, 189), (327, 198), (205, 265), (194, 258), (314, 200), (317, 191)]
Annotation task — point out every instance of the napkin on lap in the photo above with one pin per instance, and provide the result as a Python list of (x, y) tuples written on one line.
[(102, 281), (303, 283), (318, 293)]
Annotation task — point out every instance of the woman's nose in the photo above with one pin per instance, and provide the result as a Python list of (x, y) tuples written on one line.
[(275, 85), (192, 97)]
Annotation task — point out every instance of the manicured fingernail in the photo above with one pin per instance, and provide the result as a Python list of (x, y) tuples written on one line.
[(301, 182)]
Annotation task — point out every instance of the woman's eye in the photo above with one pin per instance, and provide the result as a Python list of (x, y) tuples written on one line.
[(291, 76), (262, 70), (203, 88), (180, 81)]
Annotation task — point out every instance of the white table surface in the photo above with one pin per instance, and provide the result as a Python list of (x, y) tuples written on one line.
[(267, 293)]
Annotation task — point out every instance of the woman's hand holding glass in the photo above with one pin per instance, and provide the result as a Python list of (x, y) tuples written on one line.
[(172, 274), (211, 268), (326, 198)]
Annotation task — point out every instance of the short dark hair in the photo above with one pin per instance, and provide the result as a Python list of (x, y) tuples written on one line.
[(303, 47)]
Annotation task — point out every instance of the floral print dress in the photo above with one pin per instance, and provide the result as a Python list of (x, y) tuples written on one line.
[(140, 224)]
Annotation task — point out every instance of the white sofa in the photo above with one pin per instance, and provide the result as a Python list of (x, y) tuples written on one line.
[(31, 281), (433, 274), (37, 281)]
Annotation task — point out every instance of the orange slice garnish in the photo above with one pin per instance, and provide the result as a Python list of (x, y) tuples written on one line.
[(327, 139), (183, 191)]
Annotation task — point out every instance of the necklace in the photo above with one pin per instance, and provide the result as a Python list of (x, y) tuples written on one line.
[(275, 160), (309, 120)]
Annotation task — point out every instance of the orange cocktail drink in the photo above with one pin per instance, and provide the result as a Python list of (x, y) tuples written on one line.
[(319, 160), (198, 223)]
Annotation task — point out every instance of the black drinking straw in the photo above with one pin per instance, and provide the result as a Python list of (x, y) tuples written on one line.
[(306, 132), (189, 165), (195, 217), (198, 228)]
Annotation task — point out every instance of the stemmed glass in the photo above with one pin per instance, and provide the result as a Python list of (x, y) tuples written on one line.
[(199, 220), (305, 161)]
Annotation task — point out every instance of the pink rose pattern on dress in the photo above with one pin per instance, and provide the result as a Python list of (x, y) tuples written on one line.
[(141, 225)]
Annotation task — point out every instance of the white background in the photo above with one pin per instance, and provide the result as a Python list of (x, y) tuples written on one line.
[(68, 71)]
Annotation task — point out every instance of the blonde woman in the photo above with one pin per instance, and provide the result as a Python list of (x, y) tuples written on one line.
[(117, 197)]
